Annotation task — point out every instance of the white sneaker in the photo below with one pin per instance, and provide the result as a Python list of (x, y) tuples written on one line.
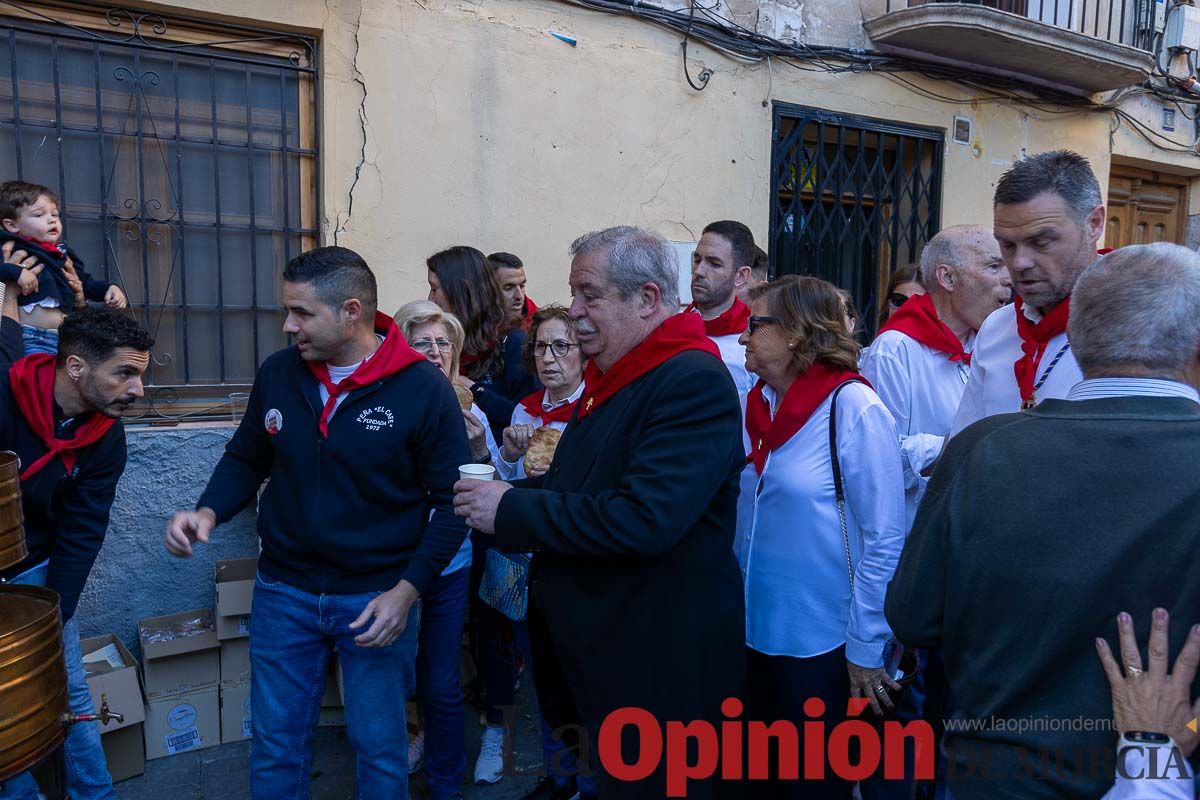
[(489, 767), (416, 752)]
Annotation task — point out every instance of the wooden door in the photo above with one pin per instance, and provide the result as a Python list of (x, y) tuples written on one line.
[(1145, 207)]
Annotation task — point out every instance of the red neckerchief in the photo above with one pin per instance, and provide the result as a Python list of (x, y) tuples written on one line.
[(530, 309), (57, 248), (677, 334), (803, 397), (393, 355), (533, 406), (918, 319), (1103, 251), (1034, 339), (32, 380), (733, 320)]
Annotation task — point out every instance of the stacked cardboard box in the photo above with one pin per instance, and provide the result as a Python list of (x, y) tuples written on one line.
[(112, 677), (181, 671), (235, 592)]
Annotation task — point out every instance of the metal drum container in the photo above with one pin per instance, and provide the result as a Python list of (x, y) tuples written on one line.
[(33, 680), (12, 527)]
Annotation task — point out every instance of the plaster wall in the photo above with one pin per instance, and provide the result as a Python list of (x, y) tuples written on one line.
[(464, 121), (134, 576)]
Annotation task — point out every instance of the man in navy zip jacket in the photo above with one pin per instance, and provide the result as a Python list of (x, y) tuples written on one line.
[(361, 438)]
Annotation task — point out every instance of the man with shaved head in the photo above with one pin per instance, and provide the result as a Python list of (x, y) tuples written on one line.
[(921, 360)]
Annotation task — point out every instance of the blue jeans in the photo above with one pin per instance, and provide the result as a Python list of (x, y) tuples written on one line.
[(39, 340), (292, 633), (439, 682), (87, 771)]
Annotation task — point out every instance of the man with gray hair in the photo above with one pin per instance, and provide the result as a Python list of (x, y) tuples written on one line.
[(1048, 217), (637, 597), (1038, 528), (921, 359)]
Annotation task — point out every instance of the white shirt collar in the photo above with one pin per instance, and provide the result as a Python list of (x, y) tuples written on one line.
[(1031, 313), (1100, 388), (548, 405)]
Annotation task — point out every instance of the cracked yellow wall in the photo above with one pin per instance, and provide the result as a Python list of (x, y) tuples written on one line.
[(481, 128)]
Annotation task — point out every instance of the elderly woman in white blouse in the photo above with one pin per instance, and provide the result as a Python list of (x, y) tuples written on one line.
[(551, 352), (816, 559)]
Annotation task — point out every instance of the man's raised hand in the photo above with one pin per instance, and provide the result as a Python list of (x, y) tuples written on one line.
[(188, 527)]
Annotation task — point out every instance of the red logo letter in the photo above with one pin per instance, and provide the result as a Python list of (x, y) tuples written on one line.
[(649, 736), (679, 771)]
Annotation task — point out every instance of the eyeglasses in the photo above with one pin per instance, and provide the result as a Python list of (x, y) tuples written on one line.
[(895, 299), (427, 346), (758, 322), (558, 348)]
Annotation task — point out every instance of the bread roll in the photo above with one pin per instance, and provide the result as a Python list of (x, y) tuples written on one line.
[(465, 398), (541, 449)]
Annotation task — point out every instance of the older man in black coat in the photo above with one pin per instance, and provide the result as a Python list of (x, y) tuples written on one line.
[(637, 598)]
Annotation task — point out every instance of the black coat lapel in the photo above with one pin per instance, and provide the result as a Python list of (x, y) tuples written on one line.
[(583, 442)]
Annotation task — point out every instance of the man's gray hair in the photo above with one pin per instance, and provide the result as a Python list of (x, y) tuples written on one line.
[(636, 257), (1060, 172), (1137, 311)]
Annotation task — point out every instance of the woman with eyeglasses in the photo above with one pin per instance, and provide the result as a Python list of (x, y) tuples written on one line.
[(820, 517), (553, 354), (903, 284), (462, 282), (440, 743)]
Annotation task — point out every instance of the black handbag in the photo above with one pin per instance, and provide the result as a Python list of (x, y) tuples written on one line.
[(909, 662)]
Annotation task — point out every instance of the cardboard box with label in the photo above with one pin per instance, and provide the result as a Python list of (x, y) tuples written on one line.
[(235, 591), (235, 712), (112, 675), (181, 722), (180, 652)]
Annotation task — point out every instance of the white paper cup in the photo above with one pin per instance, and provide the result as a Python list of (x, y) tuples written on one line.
[(478, 472)]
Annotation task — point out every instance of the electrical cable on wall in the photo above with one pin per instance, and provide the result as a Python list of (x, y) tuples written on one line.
[(704, 24)]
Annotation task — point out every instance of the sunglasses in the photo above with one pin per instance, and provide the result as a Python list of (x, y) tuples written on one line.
[(758, 322), (895, 299)]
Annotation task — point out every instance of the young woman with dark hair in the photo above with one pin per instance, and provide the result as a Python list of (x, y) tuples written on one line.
[(463, 283)]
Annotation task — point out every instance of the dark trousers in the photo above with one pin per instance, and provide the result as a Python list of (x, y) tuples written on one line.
[(439, 683), (778, 687), (495, 648)]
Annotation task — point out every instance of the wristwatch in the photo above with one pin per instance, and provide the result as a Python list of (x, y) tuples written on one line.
[(486, 458), (1146, 737)]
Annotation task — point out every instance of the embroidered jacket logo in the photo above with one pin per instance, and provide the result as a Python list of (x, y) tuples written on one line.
[(375, 419)]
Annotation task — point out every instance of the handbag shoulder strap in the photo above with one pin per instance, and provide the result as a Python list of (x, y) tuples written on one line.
[(838, 489)]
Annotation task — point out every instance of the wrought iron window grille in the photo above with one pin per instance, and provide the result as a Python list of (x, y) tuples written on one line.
[(184, 154), (852, 199)]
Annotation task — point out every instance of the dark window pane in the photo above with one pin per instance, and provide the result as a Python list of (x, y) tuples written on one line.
[(175, 184)]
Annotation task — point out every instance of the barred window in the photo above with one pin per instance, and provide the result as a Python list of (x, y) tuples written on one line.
[(852, 199), (184, 155)]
